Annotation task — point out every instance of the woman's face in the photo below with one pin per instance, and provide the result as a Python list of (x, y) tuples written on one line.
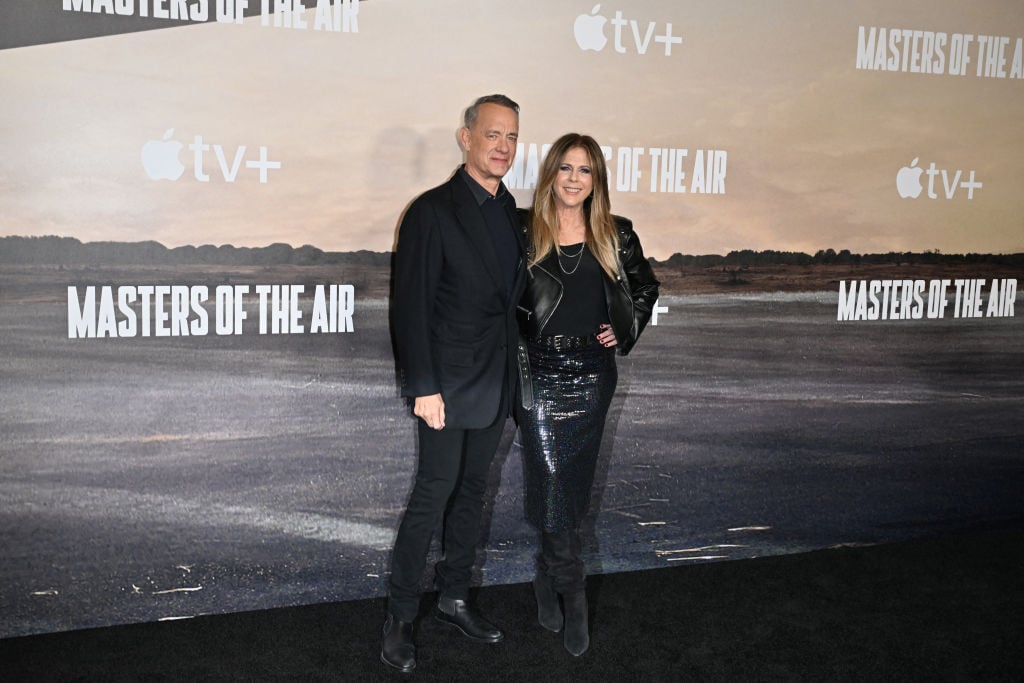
[(574, 181)]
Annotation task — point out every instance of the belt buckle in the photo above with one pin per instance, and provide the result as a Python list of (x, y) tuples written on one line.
[(558, 341)]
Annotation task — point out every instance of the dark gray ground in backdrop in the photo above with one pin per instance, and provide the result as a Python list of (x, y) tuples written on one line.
[(157, 478)]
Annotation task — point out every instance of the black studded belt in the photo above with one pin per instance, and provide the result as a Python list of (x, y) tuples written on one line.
[(564, 342)]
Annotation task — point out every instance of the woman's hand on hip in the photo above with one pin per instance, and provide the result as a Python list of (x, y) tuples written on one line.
[(607, 335)]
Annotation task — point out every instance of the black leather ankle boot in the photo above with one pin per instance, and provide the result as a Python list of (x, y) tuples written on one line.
[(398, 649)]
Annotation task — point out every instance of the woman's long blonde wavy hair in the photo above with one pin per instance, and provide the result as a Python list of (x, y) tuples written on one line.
[(602, 237)]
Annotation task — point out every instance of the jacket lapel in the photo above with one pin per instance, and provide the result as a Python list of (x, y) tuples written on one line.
[(513, 216), (472, 223)]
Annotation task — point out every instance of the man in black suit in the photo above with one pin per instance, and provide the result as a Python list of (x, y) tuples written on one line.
[(459, 272)]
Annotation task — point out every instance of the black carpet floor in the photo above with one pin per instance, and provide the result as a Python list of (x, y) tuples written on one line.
[(949, 609)]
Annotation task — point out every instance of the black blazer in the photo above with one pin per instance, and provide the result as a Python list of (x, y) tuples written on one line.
[(453, 318)]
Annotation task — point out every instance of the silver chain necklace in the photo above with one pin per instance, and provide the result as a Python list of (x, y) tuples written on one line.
[(578, 256)]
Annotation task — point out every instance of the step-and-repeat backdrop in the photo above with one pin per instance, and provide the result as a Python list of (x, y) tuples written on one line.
[(198, 201)]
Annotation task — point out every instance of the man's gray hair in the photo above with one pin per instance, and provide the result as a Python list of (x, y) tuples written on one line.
[(474, 109)]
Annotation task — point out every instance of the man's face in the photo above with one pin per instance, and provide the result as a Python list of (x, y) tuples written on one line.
[(491, 144)]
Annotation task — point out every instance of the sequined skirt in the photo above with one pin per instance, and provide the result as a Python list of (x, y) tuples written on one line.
[(561, 432)]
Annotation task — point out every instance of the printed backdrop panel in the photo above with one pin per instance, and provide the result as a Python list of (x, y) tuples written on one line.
[(199, 203)]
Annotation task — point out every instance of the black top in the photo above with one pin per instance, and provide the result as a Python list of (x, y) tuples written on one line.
[(496, 209), (582, 309)]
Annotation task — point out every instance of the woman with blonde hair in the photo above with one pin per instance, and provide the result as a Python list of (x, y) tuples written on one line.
[(590, 291)]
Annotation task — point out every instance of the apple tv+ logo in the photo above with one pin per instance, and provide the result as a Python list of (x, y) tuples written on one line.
[(588, 30), (909, 185), (161, 160)]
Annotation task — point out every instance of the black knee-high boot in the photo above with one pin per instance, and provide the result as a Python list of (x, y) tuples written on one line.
[(576, 633), (549, 612), (549, 567), (560, 562)]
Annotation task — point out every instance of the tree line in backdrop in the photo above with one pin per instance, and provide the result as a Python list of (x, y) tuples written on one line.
[(71, 251)]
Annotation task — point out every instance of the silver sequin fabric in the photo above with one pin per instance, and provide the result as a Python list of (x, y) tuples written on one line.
[(561, 433)]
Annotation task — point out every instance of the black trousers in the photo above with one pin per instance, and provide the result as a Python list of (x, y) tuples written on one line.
[(450, 485)]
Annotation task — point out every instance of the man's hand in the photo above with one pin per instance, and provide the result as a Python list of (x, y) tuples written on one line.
[(430, 409)]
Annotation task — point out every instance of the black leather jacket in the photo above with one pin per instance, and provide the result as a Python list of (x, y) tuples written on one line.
[(630, 298)]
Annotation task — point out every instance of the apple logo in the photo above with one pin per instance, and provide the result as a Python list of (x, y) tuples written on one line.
[(589, 30), (908, 180), (160, 158)]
